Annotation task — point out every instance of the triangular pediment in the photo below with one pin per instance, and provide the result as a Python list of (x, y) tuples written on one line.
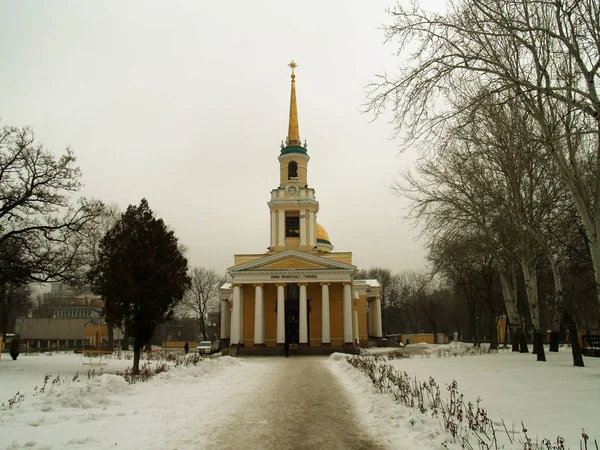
[(294, 263), (291, 259)]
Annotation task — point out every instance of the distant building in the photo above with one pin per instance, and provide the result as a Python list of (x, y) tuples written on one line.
[(42, 334), (68, 318), (65, 302)]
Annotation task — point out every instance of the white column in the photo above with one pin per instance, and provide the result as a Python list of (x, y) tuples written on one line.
[(280, 314), (355, 300), (355, 325), (325, 334), (303, 227), (235, 325), (241, 315), (228, 317), (347, 313), (281, 241), (259, 329), (273, 229), (311, 228), (224, 308), (370, 318), (377, 318), (303, 316)]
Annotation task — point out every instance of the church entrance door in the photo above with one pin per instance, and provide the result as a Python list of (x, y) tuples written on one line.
[(292, 308)]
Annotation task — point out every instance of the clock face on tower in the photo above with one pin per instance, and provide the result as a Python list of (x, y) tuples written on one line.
[(292, 190)]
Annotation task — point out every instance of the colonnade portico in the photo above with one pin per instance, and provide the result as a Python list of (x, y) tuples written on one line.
[(232, 317), (310, 310)]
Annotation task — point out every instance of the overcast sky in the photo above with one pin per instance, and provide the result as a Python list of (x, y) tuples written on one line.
[(186, 103)]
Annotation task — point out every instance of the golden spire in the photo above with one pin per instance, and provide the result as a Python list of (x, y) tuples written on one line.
[(293, 138)]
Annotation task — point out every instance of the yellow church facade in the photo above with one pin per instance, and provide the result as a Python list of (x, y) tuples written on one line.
[(300, 291)]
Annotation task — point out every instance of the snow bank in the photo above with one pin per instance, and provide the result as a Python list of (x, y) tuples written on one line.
[(83, 395), (552, 398), (388, 422)]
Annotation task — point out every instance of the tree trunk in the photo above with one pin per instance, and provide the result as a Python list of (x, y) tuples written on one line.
[(530, 278), (137, 347), (554, 340), (574, 337), (508, 282), (519, 339), (538, 338), (558, 303), (125, 337), (471, 324), (477, 337), (202, 323), (515, 339), (5, 304), (111, 336), (523, 343), (493, 324)]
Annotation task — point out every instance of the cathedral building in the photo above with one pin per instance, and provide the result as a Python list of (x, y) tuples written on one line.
[(300, 291)]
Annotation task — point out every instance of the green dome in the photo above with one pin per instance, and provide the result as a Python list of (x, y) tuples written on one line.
[(293, 149)]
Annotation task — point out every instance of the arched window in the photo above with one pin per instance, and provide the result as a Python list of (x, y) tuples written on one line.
[(293, 170)]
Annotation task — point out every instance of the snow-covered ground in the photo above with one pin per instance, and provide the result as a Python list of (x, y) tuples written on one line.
[(106, 412), (551, 399), (186, 407)]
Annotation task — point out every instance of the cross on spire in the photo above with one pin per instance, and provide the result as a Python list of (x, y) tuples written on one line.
[(293, 65)]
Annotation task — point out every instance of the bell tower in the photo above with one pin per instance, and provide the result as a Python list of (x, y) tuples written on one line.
[(293, 205)]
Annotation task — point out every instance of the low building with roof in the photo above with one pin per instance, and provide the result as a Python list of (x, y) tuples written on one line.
[(64, 333)]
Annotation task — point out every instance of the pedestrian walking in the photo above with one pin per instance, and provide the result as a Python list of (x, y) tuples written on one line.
[(186, 347)]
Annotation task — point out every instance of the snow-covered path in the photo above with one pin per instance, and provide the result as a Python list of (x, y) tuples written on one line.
[(296, 404)]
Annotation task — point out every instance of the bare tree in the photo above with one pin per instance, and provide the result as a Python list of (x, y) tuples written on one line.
[(451, 194), (202, 296), (40, 223), (413, 288), (467, 264), (546, 54)]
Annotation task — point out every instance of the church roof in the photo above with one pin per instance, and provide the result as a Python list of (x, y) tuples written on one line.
[(322, 234)]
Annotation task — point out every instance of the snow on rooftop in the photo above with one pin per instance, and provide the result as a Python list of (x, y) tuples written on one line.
[(370, 283)]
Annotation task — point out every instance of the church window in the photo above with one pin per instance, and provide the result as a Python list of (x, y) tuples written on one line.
[(293, 170), (292, 225)]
